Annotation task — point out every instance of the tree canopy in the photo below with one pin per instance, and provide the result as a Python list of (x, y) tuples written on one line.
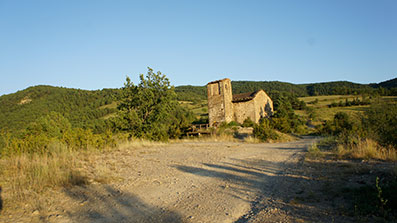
[(150, 109)]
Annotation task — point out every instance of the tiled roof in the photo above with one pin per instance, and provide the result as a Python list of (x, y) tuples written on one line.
[(244, 96)]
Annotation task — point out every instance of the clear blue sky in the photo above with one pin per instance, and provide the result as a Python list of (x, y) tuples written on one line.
[(95, 44)]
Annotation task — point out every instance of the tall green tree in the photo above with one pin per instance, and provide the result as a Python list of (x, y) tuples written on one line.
[(150, 109)]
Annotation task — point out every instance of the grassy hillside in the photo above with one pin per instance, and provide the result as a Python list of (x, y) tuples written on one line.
[(81, 107), (319, 109)]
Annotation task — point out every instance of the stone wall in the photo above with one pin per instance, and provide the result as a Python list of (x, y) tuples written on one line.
[(260, 106), (220, 107), (243, 110), (263, 106)]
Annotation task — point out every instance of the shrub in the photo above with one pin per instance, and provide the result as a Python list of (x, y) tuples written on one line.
[(285, 120), (227, 128), (39, 137), (264, 132), (381, 122), (248, 122), (232, 124), (314, 151), (341, 124), (372, 136)]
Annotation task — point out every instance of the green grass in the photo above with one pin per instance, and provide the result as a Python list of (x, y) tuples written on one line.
[(199, 109), (323, 112), (327, 99)]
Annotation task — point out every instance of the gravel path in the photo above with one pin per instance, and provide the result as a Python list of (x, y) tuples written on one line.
[(189, 182)]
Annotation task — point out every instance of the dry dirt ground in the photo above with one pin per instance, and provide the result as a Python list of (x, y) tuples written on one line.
[(192, 182)]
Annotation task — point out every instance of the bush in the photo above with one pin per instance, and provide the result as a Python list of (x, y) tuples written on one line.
[(264, 132), (372, 136), (248, 122), (52, 129), (314, 151), (227, 128), (378, 123), (341, 124), (232, 124), (355, 102), (286, 121), (381, 122)]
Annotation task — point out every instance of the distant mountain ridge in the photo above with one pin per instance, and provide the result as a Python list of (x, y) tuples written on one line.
[(392, 83)]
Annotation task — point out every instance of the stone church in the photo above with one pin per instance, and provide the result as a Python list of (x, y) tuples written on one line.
[(223, 106)]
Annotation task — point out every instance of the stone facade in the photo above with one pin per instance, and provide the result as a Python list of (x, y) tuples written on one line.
[(223, 106), (220, 106)]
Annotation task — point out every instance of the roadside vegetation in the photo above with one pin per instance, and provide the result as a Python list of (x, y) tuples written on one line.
[(49, 151), (366, 141)]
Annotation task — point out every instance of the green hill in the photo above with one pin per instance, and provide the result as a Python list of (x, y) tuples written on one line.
[(392, 83), (83, 108), (337, 88)]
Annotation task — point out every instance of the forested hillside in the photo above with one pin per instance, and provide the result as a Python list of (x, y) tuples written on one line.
[(337, 88), (189, 93), (89, 109), (386, 84), (84, 109)]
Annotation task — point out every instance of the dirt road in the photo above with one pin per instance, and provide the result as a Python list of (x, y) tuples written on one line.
[(192, 182)]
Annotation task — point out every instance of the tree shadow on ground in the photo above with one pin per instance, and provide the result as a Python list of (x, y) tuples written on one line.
[(103, 203), (282, 186)]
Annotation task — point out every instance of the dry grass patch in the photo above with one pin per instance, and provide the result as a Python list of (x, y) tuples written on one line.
[(367, 149), (314, 152), (23, 178)]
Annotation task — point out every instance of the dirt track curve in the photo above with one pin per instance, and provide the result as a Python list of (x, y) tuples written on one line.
[(193, 182)]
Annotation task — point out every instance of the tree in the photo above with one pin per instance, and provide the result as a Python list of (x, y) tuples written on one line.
[(149, 109), (381, 122), (53, 125)]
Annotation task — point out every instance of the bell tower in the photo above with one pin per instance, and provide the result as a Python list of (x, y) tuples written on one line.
[(220, 106)]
